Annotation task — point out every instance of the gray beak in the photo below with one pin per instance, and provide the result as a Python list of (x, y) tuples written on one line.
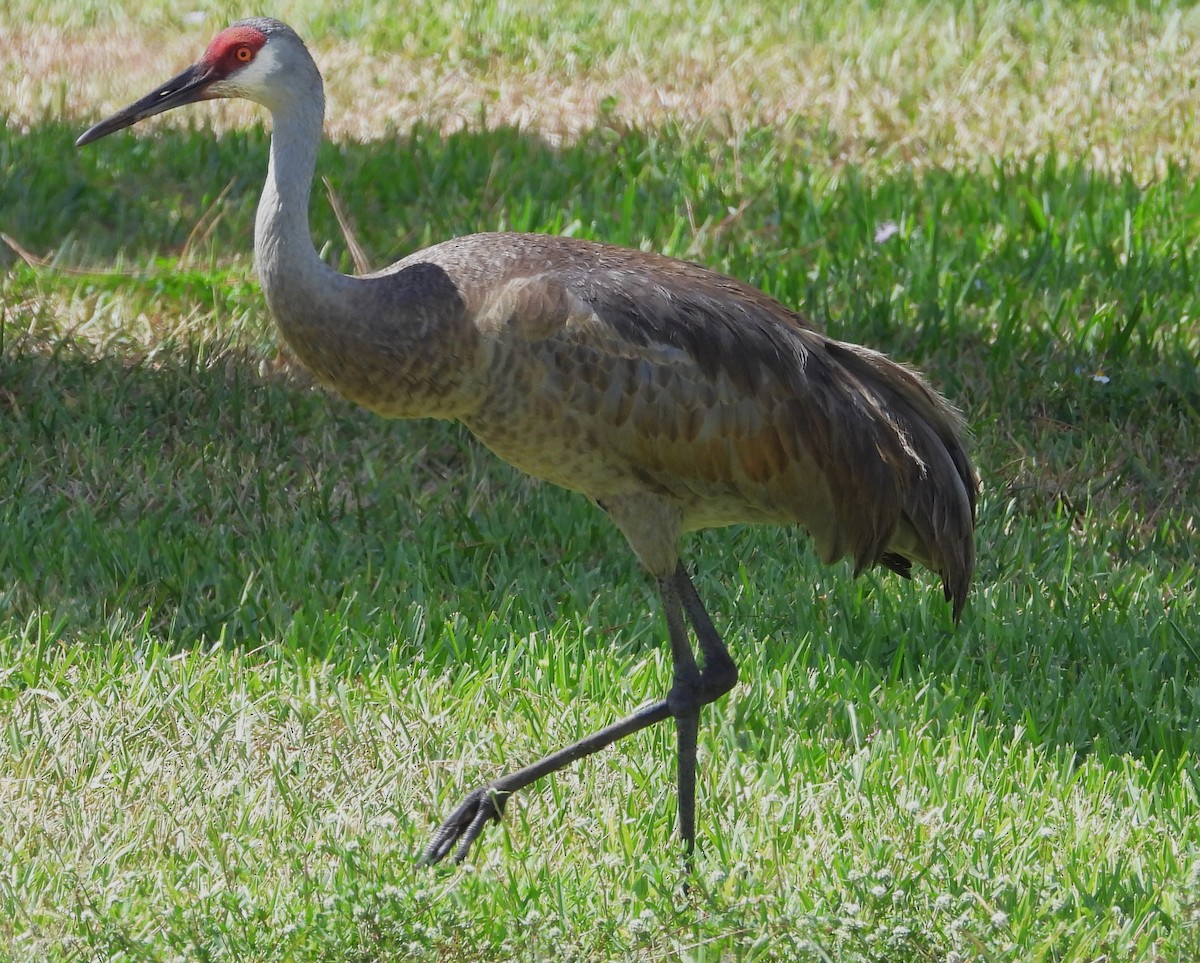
[(187, 88)]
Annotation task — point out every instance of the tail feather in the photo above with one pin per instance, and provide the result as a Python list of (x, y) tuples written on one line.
[(920, 439)]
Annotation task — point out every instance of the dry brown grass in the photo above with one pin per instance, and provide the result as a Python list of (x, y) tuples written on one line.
[(917, 89)]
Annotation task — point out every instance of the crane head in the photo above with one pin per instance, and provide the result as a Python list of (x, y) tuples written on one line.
[(243, 60)]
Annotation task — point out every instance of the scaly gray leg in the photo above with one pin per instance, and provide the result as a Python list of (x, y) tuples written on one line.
[(693, 688)]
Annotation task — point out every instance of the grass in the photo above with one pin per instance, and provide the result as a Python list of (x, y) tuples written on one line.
[(254, 641), (930, 85)]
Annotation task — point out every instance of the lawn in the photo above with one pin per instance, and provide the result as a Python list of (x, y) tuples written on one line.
[(255, 642)]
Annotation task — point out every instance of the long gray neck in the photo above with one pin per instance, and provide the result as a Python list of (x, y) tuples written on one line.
[(299, 286), (400, 344)]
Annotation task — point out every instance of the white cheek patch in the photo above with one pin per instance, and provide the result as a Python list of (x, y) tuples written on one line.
[(253, 81)]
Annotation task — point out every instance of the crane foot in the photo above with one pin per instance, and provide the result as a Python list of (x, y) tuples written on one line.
[(463, 826)]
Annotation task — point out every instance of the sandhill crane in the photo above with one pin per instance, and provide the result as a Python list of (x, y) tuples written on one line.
[(675, 398)]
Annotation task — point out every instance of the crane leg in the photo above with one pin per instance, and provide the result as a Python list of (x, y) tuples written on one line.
[(694, 687)]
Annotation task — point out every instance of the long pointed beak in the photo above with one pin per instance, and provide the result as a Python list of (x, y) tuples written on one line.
[(187, 88)]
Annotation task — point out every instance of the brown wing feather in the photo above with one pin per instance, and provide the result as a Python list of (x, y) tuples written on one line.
[(658, 375)]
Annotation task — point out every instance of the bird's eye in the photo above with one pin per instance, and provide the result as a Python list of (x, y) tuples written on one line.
[(244, 54)]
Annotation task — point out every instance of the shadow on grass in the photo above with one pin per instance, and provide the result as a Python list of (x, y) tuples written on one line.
[(214, 503), (188, 491), (196, 501), (1003, 282)]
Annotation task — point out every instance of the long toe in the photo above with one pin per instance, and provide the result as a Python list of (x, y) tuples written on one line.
[(463, 826)]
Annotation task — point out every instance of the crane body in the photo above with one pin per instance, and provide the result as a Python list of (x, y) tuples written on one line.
[(674, 397)]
